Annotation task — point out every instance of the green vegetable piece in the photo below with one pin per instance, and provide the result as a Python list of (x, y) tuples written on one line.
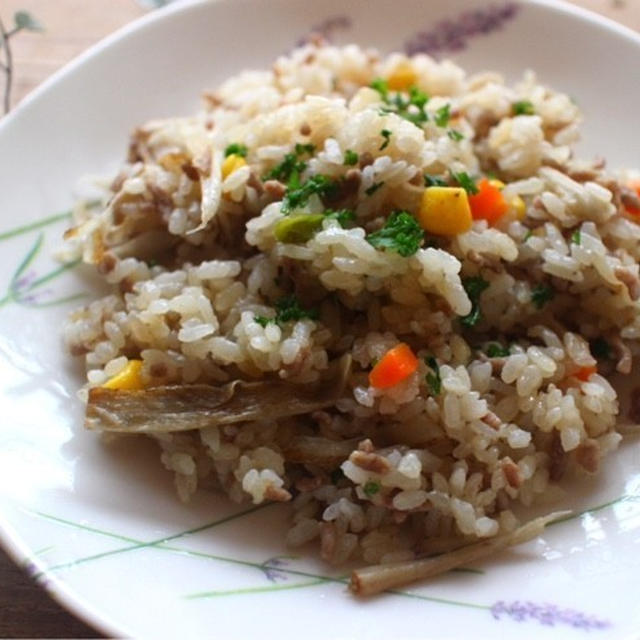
[(443, 115), (576, 237), (291, 166), (371, 488), (298, 195), (386, 134), (496, 350), (381, 86), (417, 97), (236, 149), (263, 321), (527, 235), (466, 182), (297, 229), (474, 287), (523, 108), (434, 181), (288, 309), (343, 216), (455, 135), (350, 158), (434, 381), (373, 188), (541, 294), (401, 234)]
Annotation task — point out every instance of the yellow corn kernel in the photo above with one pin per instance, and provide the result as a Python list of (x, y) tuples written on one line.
[(232, 163), (128, 379), (519, 207), (402, 77), (445, 211)]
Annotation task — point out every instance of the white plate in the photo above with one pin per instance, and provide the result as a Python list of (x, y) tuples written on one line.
[(100, 526)]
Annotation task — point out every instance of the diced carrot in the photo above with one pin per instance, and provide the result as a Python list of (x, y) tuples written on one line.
[(488, 204), (394, 366), (584, 373), (633, 210)]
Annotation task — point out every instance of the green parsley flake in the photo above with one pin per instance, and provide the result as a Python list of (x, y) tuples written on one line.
[(434, 181), (263, 321), (474, 287), (350, 158), (541, 294), (496, 350), (417, 97), (466, 182), (371, 488), (401, 233), (386, 134), (443, 115), (575, 237), (527, 235), (343, 216), (382, 87), (434, 381), (291, 166), (601, 349), (288, 309), (523, 108), (373, 188), (236, 149), (455, 135), (298, 195)]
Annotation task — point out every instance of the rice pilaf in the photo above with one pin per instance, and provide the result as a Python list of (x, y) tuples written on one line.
[(375, 287)]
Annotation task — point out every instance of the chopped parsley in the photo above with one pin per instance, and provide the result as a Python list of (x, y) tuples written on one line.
[(343, 216), (291, 166), (382, 87), (601, 349), (575, 237), (263, 321), (373, 188), (541, 294), (401, 233), (411, 108), (417, 97), (371, 488), (350, 158), (474, 287), (527, 235), (434, 381), (236, 149), (466, 182), (496, 350), (288, 309), (443, 115), (523, 108), (297, 195), (455, 135), (434, 181), (386, 134)]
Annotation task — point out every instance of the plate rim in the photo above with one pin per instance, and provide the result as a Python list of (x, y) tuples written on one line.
[(11, 542)]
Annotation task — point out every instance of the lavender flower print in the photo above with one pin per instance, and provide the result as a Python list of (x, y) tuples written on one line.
[(547, 614), (453, 35)]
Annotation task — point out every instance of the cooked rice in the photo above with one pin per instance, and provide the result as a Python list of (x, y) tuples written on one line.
[(193, 261)]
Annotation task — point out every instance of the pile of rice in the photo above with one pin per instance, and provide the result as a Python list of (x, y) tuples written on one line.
[(194, 265)]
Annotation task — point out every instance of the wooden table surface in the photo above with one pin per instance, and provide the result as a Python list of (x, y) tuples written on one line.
[(70, 26)]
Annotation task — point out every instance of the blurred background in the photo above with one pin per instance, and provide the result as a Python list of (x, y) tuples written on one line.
[(56, 31), (37, 37)]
